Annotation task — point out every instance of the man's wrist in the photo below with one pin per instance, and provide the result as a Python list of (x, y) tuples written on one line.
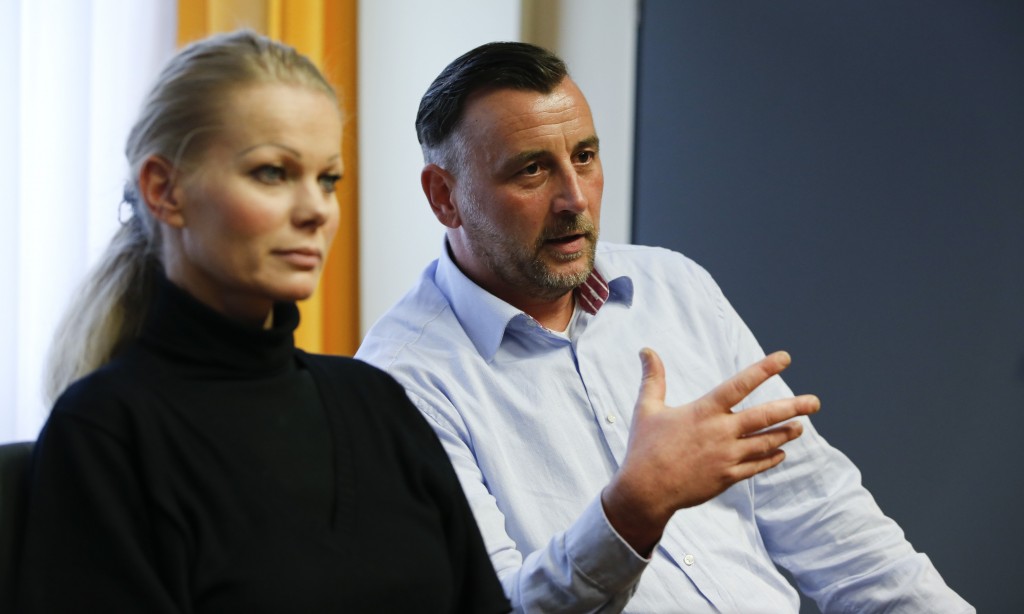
[(639, 524)]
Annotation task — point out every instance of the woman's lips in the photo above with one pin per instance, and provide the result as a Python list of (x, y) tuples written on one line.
[(301, 258)]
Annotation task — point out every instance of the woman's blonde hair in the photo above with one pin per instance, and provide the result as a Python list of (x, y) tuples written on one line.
[(184, 106)]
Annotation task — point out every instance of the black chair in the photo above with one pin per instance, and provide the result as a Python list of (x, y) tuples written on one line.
[(14, 460)]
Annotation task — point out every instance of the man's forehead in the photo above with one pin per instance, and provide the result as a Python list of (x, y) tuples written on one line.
[(524, 114)]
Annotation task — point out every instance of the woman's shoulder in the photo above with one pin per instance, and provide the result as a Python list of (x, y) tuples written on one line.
[(109, 396), (354, 379), (360, 384), (354, 370)]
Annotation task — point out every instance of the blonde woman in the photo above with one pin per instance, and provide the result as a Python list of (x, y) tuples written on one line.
[(195, 460)]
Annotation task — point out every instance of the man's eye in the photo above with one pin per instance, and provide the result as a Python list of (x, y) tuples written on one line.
[(269, 174), (329, 182), (585, 156), (531, 169)]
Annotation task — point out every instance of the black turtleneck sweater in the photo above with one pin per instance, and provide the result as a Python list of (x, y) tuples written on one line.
[(213, 467)]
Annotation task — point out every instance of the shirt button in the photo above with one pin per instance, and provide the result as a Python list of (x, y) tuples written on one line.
[(610, 418), (688, 560)]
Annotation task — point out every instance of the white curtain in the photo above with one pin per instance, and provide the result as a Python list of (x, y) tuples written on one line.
[(72, 77)]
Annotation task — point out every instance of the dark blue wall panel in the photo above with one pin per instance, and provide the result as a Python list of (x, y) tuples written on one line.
[(852, 173)]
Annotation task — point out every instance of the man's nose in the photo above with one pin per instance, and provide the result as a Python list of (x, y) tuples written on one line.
[(571, 196)]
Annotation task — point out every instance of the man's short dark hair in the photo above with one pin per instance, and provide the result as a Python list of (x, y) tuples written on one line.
[(513, 65)]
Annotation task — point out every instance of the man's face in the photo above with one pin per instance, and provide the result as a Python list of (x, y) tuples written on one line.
[(527, 193)]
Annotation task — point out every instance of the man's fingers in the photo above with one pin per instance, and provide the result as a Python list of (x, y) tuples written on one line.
[(733, 390), (769, 414), (766, 443), (751, 468), (652, 383)]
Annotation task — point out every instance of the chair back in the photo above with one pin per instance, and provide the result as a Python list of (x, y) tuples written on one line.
[(14, 461)]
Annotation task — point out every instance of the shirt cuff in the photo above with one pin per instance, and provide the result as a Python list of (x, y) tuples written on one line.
[(599, 552)]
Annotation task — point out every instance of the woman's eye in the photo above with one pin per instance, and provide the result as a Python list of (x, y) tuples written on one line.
[(329, 182), (269, 174)]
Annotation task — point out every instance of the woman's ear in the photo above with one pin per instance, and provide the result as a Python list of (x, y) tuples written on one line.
[(158, 189), (438, 186)]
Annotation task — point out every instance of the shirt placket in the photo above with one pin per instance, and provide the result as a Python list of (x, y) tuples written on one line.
[(612, 424), (676, 545)]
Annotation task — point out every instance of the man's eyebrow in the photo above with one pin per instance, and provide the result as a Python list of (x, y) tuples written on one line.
[(521, 158), (589, 143)]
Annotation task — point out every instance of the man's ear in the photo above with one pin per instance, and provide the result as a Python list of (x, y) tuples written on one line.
[(158, 189), (438, 186)]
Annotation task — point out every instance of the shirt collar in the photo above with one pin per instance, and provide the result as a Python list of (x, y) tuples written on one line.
[(485, 317)]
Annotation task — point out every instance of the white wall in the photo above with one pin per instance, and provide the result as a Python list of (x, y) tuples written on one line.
[(402, 46), (73, 74)]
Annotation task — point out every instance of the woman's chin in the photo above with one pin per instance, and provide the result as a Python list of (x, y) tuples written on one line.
[(295, 290)]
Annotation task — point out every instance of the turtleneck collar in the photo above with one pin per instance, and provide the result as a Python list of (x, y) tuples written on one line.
[(196, 336)]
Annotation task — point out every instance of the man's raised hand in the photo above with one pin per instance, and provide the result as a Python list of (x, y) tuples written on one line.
[(682, 456)]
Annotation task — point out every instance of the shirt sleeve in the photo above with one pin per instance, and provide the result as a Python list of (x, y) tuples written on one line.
[(820, 523), (586, 568), (88, 545)]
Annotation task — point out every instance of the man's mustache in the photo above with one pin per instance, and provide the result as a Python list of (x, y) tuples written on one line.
[(575, 224)]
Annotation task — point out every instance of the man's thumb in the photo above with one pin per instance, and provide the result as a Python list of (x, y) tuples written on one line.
[(652, 383)]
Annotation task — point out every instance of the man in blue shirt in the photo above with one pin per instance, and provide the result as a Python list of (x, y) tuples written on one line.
[(519, 344)]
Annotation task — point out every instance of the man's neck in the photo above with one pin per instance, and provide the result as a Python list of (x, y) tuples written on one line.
[(552, 314)]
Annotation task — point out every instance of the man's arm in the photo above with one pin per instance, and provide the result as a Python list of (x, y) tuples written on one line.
[(677, 457), (819, 522)]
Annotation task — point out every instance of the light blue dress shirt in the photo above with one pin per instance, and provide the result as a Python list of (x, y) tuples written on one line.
[(536, 423)]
